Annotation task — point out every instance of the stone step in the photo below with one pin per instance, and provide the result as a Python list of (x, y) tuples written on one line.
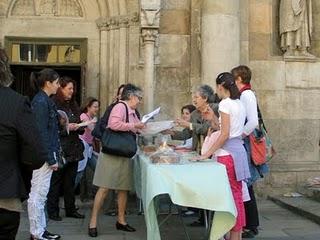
[(310, 192), (303, 206)]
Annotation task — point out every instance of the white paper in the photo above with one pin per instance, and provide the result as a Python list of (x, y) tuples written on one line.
[(148, 116), (156, 127), (86, 123)]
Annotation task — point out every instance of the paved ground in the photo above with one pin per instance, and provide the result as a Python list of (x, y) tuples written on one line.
[(276, 224)]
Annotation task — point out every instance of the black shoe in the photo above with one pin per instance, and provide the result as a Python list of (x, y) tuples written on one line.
[(55, 217), (92, 232), (126, 228), (250, 233), (197, 224), (75, 214), (48, 235)]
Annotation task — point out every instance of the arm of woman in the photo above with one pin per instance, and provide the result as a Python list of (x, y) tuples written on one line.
[(225, 131)]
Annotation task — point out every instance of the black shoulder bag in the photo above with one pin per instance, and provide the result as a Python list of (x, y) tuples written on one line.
[(119, 143)]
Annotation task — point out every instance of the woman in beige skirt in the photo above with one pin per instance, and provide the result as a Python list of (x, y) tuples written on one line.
[(115, 172)]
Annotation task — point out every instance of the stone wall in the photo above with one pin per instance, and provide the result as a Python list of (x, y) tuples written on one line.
[(173, 60), (289, 97)]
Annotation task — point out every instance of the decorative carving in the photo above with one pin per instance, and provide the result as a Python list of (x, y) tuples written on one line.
[(149, 35), (150, 18), (116, 22), (48, 7), (23, 8), (296, 29), (70, 8), (65, 8)]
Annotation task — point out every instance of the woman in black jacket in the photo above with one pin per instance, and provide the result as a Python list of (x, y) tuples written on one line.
[(72, 148)]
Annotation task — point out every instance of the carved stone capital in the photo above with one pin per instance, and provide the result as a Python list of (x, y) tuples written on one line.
[(149, 35)]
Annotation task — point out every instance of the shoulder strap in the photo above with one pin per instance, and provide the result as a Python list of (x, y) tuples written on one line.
[(127, 111)]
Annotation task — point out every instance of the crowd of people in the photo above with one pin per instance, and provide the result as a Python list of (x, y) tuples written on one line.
[(55, 140)]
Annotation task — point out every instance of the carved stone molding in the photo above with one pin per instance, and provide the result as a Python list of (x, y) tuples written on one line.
[(116, 22), (54, 8)]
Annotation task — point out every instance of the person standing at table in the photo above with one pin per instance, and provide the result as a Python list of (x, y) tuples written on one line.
[(228, 148), (242, 75), (72, 150), (115, 172), (197, 128), (45, 83)]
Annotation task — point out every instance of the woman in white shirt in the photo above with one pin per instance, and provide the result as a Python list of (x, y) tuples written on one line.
[(228, 148)]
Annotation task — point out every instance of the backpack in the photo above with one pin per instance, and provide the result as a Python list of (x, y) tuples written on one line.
[(101, 125)]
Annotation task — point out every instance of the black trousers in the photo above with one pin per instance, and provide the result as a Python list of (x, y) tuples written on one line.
[(62, 180), (9, 224), (252, 215)]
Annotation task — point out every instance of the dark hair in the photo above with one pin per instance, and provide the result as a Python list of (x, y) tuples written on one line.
[(39, 79), (119, 88), (243, 72), (189, 107), (226, 79), (207, 92), (60, 99), (130, 89), (6, 77), (64, 81), (88, 103)]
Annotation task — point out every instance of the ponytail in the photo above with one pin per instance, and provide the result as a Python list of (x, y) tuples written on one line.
[(227, 81), (39, 79)]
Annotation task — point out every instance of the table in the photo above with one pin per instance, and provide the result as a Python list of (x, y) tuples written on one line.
[(203, 185)]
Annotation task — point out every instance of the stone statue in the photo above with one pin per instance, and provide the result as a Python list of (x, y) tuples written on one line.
[(296, 28)]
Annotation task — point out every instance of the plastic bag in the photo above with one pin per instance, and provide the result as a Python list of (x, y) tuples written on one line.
[(165, 155)]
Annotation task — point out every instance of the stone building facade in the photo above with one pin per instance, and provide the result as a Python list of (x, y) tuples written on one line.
[(169, 46)]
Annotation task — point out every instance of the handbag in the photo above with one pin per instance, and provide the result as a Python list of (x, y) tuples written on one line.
[(119, 143), (260, 143), (258, 148)]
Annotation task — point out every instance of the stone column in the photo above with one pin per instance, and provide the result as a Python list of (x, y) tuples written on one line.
[(220, 38), (123, 56), (103, 25), (149, 38), (149, 31)]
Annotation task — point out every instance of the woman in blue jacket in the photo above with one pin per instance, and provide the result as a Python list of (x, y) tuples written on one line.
[(46, 83)]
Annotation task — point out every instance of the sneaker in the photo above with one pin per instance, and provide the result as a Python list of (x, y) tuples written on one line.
[(47, 235)]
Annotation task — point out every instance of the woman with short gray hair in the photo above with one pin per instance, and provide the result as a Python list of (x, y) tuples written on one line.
[(203, 97), (113, 171)]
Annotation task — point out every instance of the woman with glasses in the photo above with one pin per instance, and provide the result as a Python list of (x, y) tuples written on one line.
[(115, 172)]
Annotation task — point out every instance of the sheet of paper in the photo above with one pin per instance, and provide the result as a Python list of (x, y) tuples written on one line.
[(148, 116), (156, 127)]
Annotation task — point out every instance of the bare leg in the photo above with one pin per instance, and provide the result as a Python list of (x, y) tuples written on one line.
[(98, 201), (122, 205), (235, 235)]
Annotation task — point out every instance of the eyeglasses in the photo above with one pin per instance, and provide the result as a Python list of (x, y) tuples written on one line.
[(139, 97)]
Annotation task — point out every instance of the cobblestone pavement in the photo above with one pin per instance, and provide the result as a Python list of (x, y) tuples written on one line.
[(276, 224)]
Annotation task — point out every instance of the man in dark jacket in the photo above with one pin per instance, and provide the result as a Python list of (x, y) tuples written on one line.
[(17, 124)]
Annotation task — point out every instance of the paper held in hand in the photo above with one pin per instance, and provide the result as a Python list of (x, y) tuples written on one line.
[(148, 116), (156, 127)]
